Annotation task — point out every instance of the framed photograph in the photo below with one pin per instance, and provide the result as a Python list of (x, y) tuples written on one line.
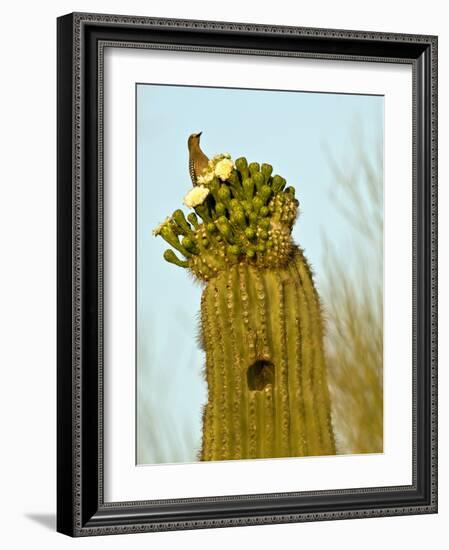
[(247, 274)]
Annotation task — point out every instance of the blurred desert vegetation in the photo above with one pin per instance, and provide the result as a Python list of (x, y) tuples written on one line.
[(353, 301), (168, 390)]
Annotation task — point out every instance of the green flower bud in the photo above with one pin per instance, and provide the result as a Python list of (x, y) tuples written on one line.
[(214, 186), (168, 235), (264, 223), (250, 233), (264, 211), (189, 245), (193, 219), (181, 222), (241, 164), (265, 193), (210, 228), (266, 170), (257, 203), (203, 211), (247, 206), (220, 209), (222, 220), (248, 188), (259, 180), (224, 194), (225, 229), (234, 249), (238, 217), (171, 257), (234, 180), (253, 217), (278, 184), (254, 167)]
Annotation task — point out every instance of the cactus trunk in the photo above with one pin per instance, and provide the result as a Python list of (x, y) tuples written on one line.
[(265, 370)]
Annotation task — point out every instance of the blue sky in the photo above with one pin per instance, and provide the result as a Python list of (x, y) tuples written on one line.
[(293, 131)]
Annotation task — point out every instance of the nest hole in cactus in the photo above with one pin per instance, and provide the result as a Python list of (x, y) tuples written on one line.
[(260, 374)]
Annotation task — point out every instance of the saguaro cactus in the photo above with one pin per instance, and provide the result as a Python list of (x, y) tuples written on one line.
[(261, 321)]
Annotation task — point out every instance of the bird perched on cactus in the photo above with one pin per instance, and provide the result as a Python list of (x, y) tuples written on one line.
[(261, 319), (198, 161)]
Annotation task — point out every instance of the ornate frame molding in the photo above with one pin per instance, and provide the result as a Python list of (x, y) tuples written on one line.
[(81, 41)]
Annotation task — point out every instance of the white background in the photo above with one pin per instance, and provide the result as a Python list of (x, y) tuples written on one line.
[(125, 481), (27, 229)]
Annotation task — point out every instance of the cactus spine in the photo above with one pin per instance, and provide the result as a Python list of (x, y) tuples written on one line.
[(261, 320)]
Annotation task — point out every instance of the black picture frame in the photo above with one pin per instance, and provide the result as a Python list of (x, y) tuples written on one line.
[(81, 510)]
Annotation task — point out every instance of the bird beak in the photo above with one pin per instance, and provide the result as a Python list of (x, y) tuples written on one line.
[(199, 133)]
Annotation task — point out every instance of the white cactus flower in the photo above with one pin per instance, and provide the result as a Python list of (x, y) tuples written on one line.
[(196, 196), (157, 230), (220, 156), (223, 168), (206, 178)]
